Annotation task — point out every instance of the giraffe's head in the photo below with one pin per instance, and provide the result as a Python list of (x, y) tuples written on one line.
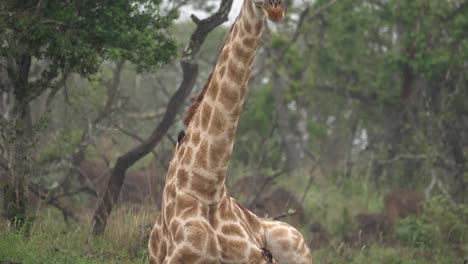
[(274, 9)]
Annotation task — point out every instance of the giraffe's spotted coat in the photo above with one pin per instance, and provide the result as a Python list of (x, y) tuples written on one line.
[(199, 222)]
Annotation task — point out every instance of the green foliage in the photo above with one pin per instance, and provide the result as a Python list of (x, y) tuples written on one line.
[(259, 113), (443, 222), (256, 127), (64, 146), (346, 224), (278, 41), (316, 131), (448, 217), (416, 232), (79, 35)]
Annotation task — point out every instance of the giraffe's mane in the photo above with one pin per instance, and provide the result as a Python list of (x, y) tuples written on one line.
[(192, 110)]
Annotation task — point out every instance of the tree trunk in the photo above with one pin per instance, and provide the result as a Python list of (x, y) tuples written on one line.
[(453, 139), (19, 138), (190, 73), (288, 142)]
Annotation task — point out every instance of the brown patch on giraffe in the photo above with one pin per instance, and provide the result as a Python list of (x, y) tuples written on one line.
[(188, 155), (218, 122), (201, 157), (241, 54), (186, 206), (224, 55), (170, 188), (195, 139), (191, 211), (231, 249), (247, 27), (172, 168), (212, 248), (170, 210), (216, 152), (174, 224), (182, 178), (235, 31), (231, 133), (279, 232), (214, 87), (254, 254), (198, 239), (227, 214), (250, 42), (212, 218), (205, 115), (232, 230), (220, 176), (177, 233), (186, 255), (222, 72), (259, 27), (162, 251), (202, 186), (154, 238), (235, 73), (284, 244), (184, 202), (235, 114), (194, 107), (228, 97)]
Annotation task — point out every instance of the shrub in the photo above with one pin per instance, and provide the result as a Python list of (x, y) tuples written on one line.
[(417, 232)]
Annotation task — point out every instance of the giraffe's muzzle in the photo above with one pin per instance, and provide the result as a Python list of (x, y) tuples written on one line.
[(274, 9)]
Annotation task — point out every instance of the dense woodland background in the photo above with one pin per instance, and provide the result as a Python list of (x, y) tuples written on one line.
[(355, 129)]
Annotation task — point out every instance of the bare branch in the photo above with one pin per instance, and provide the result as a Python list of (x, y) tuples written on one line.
[(404, 157), (291, 213), (57, 204)]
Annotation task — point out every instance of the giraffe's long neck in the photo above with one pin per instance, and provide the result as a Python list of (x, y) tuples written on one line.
[(204, 154)]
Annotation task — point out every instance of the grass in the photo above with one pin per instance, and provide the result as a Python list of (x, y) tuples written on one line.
[(50, 240), (420, 240)]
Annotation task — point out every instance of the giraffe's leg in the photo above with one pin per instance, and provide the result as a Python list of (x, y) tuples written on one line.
[(195, 242), (285, 243)]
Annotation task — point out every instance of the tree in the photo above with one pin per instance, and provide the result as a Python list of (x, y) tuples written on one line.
[(43, 41), (403, 63), (190, 73)]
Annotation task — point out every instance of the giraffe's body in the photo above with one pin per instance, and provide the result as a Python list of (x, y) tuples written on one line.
[(199, 221)]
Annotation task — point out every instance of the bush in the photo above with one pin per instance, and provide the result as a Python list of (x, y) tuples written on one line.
[(449, 217), (417, 232), (442, 222)]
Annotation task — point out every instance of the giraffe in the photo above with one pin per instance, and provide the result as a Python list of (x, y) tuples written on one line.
[(199, 222)]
